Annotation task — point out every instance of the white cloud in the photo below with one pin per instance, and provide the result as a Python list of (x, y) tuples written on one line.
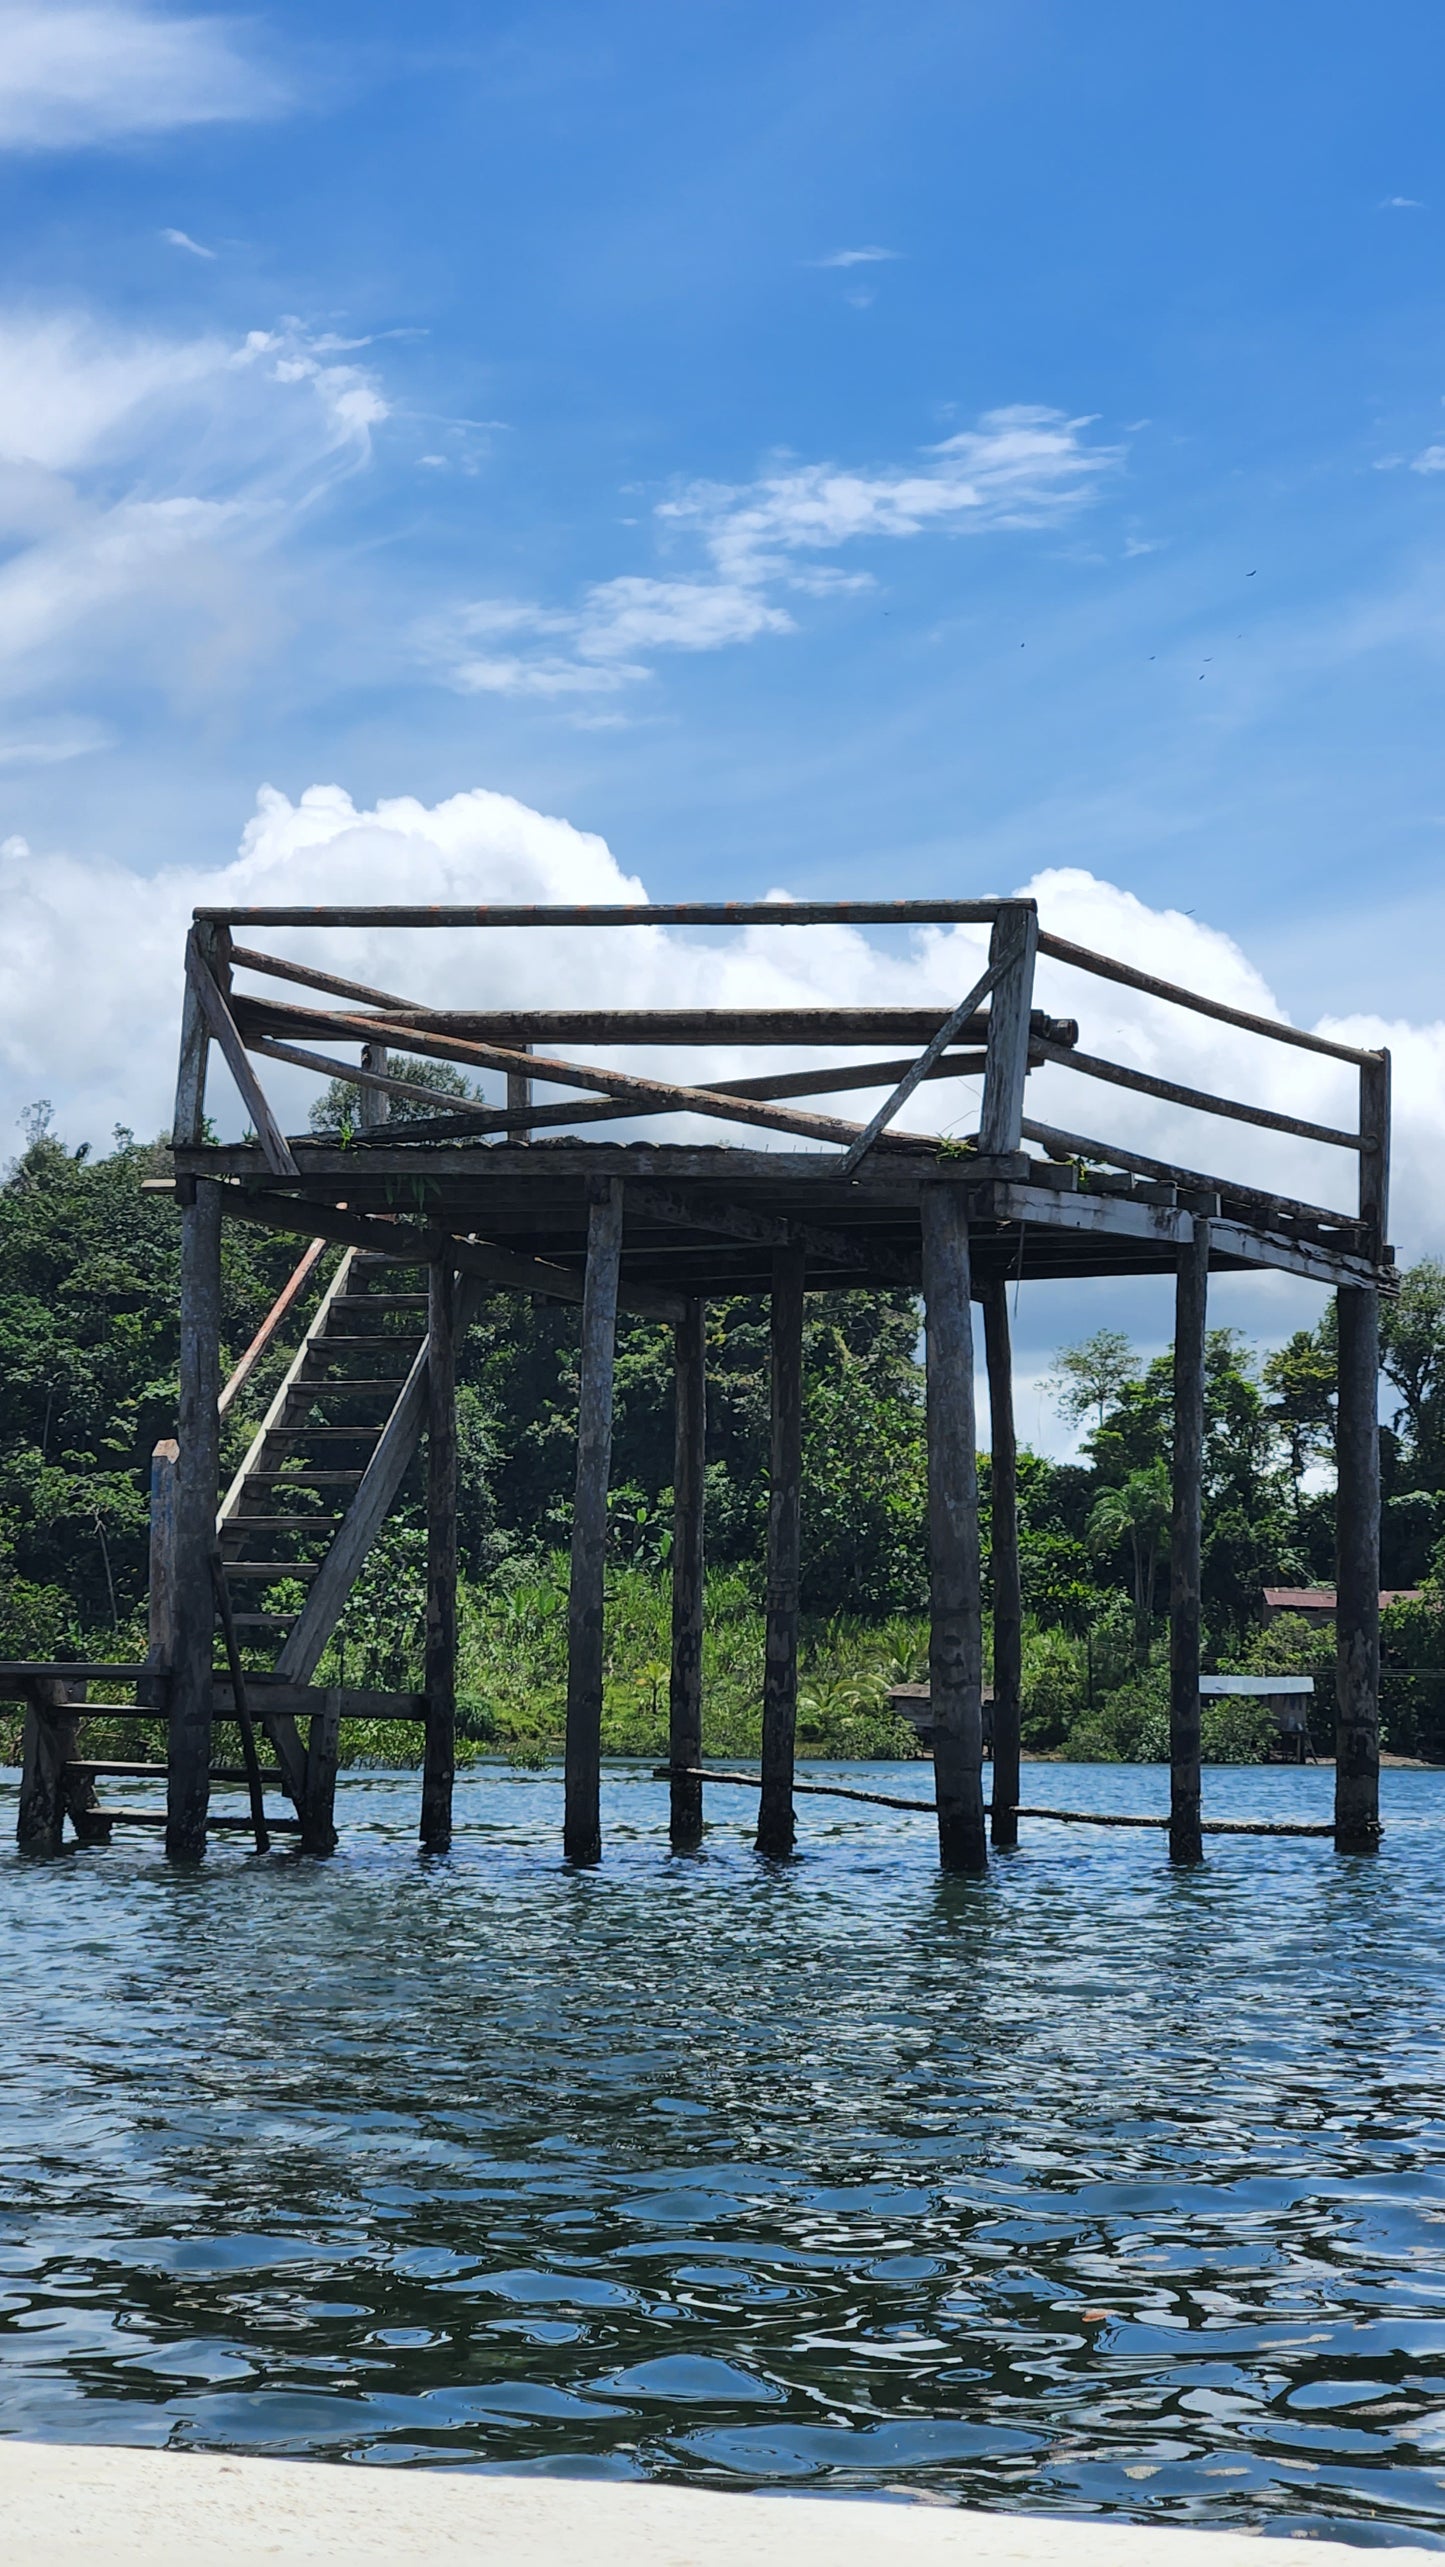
[(1020, 469), (1402, 204), (869, 257), (138, 472), (1432, 459), (89, 71), (183, 241), (100, 1038)]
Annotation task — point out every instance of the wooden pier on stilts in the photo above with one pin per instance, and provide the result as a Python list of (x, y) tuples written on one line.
[(435, 1210)]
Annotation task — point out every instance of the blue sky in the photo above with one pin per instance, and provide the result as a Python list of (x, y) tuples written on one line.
[(839, 447)]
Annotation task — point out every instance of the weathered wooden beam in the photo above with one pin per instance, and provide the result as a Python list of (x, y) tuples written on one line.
[(645, 1095), (767, 1230), (189, 1750), (223, 1029), (955, 1656), (161, 1584), (927, 1060), (1357, 1576), (1004, 1564), (644, 913), (1075, 1145), (1104, 967), (658, 1027), (399, 1239), (776, 1823), (375, 1097), (519, 1102), (1191, 1302), (582, 1825), (379, 1083), (441, 1561), (1011, 952), (1201, 1100), (688, 1480)]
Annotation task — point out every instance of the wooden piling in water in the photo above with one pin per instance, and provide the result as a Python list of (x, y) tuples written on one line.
[(1191, 1303), (776, 1824), (1004, 1563), (441, 1560), (582, 1822), (689, 1339), (318, 1807), (955, 1655), (1357, 1576), (193, 1619)]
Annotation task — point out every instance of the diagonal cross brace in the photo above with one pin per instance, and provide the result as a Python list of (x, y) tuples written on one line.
[(948, 1032)]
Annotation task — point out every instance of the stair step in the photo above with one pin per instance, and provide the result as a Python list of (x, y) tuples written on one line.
[(323, 1434), (343, 1385), (272, 1569), (264, 1621), (300, 1480), (323, 1521), (391, 1338), (380, 1301)]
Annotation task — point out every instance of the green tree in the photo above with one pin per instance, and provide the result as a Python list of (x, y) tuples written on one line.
[(1133, 1517)]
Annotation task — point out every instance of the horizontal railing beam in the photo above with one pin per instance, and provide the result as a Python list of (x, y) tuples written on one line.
[(641, 913), (1104, 967)]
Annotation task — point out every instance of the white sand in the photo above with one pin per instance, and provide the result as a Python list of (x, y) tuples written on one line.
[(72, 2502)]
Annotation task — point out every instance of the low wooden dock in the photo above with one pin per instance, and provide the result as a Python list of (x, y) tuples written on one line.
[(435, 1211)]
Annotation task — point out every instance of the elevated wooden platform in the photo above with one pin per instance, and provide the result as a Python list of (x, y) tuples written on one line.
[(503, 1190)]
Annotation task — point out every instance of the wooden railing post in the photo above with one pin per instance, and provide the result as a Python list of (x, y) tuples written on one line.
[(1357, 1575), (582, 1822), (1191, 1301), (689, 1466), (1004, 1563), (189, 1122), (1014, 942), (955, 1655), (49, 1743), (193, 1609), (441, 1559), (776, 1824), (519, 1098), (1375, 1150), (375, 1104)]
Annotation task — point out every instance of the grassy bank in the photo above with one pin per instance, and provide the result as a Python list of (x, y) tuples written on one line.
[(1084, 1699)]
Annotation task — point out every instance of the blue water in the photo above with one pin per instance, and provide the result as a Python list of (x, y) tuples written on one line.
[(1093, 2187)]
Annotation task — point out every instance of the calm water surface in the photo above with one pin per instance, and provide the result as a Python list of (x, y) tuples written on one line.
[(1090, 2187)]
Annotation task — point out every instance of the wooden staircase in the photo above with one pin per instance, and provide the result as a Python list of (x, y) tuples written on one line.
[(319, 1478)]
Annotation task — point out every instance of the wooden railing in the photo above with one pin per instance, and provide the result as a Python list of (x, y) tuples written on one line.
[(1003, 1040)]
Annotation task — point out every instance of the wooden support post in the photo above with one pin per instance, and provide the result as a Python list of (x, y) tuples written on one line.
[(318, 1807), (1007, 1598), (955, 1656), (375, 1104), (441, 1560), (1014, 944), (1357, 1577), (188, 1128), (582, 1823), (689, 1463), (50, 1734), (193, 1614), (776, 1825), (161, 1599), (1191, 1303), (519, 1098)]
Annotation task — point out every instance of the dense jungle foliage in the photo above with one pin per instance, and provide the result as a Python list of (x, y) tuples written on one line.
[(88, 1289)]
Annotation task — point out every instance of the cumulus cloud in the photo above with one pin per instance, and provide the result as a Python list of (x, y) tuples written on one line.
[(1020, 469), (1431, 459), (97, 1033), (137, 471), (183, 241), (91, 71)]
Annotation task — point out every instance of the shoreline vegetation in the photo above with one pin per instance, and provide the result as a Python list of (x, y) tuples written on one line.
[(88, 1347)]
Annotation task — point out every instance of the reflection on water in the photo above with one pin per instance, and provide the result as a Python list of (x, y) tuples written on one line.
[(1091, 2187)]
